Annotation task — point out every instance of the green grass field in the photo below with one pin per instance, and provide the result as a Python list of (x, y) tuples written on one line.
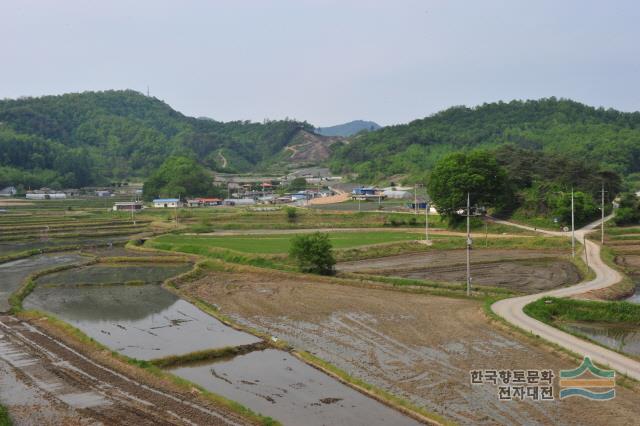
[(273, 244)]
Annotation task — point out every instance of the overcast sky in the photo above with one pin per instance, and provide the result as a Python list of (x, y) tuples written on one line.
[(326, 62)]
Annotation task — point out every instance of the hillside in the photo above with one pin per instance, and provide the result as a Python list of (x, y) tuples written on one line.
[(308, 148), (607, 137), (348, 129), (75, 140)]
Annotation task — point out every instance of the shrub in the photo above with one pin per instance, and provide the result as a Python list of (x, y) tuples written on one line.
[(313, 253), (626, 216), (292, 214)]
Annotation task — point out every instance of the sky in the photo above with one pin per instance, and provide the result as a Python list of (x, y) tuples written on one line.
[(325, 61)]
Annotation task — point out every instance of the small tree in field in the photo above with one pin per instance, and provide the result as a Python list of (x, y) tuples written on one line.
[(313, 253), (292, 214)]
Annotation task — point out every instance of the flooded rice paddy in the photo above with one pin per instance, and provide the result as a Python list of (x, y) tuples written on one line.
[(113, 274), (623, 339), (635, 298), (143, 322), (15, 272), (277, 384), (11, 247), (146, 321)]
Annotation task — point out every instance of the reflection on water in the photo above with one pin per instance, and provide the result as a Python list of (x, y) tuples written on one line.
[(279, 385), (623, 339), (143, 322), (8, 247), (116, 273), (13, 273), (636, 296)]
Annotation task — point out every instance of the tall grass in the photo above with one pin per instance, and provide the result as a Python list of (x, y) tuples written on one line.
[(551, 309)]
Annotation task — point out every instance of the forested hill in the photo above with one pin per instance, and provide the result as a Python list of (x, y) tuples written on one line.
[(608, 138), (76, 140), (348, 129)]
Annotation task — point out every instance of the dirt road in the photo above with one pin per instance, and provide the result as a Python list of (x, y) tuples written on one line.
[(512, 310), (51, 383)]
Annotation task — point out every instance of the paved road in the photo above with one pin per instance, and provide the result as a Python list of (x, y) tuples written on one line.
[(511, 309)]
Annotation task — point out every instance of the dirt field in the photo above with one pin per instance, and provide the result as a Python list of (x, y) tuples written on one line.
[(416, 346), (528, 271), (629, 261), (11, 203)]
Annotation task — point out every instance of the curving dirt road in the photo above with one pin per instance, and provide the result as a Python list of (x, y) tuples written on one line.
[(512, 309)]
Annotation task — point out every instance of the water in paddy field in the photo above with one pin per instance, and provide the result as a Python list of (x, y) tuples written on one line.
[(9, 247), (114, 273), (15, 272), (635, 298), (623, 339), (276, 384), (140, 321)]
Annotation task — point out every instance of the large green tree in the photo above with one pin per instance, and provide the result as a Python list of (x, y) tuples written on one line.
[(476, 173), (179, 176)]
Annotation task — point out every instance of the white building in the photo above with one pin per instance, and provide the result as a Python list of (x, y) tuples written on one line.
[(240, 202), (164, 203), (46, 195), (127, 206), (397, 194), (9, 191)]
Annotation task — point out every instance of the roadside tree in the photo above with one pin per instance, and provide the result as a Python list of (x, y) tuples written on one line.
[(477, 173)]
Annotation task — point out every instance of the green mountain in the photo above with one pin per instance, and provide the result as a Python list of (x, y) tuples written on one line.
[(607, 138), (76, 140), (348, 129)]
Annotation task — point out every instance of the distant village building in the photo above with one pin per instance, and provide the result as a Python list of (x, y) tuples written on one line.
[(9, 191), (204, 202), (165, 203), (397, 194), (240, 202), (367, 194), (103, 193), (45, 195), (128, 206)]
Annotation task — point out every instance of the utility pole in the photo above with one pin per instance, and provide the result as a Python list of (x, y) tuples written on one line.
[(486, 233), (426, 222), (573, 228), (586, 252), (602, 221), (415, 198), (468, 246), (133, 206), (176, 210)]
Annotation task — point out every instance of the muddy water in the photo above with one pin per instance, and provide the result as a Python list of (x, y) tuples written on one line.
[(143, 322), (279, 385), (635, 298), (624, 339), (9, 247), (13, 273), (113, 274)]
